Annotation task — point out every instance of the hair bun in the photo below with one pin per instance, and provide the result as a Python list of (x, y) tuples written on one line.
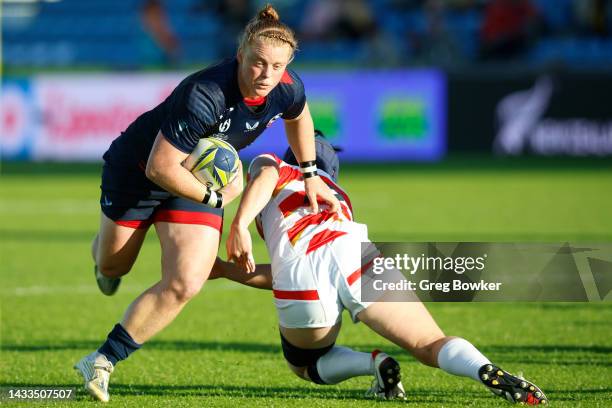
[(268, 13)]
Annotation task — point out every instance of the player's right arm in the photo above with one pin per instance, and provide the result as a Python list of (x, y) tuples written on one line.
[(263, 178), (194, 110), (165, 169)]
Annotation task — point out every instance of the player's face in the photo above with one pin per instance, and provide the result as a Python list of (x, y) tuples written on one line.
[(261, 67)]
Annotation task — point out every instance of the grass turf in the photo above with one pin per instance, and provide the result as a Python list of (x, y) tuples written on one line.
[(223, 349)]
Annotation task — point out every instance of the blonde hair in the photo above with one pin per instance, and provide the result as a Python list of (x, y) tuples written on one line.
[(266, 25)]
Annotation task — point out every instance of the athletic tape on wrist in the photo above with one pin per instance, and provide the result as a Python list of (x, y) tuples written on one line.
[(308, 163), (206, 196), (309, 169), (310, 174), (212, 199)]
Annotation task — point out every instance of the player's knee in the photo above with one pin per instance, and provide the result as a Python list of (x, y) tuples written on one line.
[(303, 362), (299, 371), (183, 290), (111, 270)]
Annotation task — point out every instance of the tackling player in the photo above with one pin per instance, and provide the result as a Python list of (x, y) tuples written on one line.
[(144, 183), (315, 274)]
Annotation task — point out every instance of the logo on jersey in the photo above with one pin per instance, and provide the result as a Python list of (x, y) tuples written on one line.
[(250, 127), (274, 118), (106, 202), (220, 136), (227, 111), (223, 127)]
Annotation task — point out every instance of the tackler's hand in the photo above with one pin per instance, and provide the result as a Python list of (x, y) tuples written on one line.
[(240, 248)]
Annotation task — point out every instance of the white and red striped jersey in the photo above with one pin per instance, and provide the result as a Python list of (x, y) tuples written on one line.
[(286, 224)]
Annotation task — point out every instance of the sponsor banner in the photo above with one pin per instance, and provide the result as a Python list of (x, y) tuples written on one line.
[(486, 272), (82, 115), (396, 116), (374, 116), (18, 119), (546, 115), (74, 117)]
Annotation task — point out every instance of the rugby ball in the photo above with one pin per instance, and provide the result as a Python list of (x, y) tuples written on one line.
[(214, 162)]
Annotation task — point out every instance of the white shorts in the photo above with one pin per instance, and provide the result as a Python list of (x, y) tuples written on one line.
[(313, 290)]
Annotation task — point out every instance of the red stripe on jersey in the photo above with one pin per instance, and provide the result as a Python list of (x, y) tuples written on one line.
[(295, 201), (296, 294), (135, 224), (345, 211), (353, 277), (286, 78), (255, 101), (189, 217), (311, 219), (336, 188), (286, 174), (321, 238)]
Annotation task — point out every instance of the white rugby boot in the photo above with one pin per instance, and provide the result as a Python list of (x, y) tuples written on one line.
[(386, 384), (96, 370)]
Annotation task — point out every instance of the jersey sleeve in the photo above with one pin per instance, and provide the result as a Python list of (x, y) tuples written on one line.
[(265, 155), (193, 113), (296, 85), (286, 173)]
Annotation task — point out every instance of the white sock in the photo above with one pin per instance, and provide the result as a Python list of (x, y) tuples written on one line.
[(342, 363), (460, 357)]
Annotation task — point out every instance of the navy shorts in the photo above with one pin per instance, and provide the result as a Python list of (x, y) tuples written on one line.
[(131, 200)]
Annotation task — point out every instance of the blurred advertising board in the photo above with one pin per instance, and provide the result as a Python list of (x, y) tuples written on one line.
[(375, 115), (561, 114), (74, 117), (372, 115)]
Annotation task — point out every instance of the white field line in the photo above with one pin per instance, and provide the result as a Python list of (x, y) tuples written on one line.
[(39, 290)]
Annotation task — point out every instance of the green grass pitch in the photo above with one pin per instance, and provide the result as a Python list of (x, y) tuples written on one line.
[(223, 350)]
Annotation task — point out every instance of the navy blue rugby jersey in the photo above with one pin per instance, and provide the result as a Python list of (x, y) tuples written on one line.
[(206, 103)]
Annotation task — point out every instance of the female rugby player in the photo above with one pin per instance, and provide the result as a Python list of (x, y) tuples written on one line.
[(144, 183), (315, 274)]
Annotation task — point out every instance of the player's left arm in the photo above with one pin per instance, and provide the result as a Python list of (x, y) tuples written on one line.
[(263, 178), (300, 135), (260, 279)]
